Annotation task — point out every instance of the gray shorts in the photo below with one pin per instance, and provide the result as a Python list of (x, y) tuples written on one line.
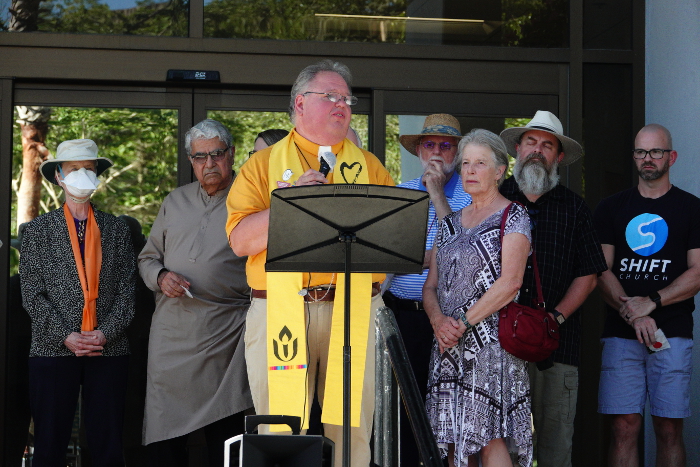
[(628, 373)]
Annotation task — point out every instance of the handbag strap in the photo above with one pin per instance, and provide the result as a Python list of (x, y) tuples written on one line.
[(538, 284)]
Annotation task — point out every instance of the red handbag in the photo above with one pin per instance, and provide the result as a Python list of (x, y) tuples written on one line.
[(529, 333)]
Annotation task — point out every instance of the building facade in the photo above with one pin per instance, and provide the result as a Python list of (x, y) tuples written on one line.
[(483, 62)]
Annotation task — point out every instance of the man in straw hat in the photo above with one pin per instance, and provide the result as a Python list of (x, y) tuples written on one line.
[(569, 258), (77, 272), (436, 148)]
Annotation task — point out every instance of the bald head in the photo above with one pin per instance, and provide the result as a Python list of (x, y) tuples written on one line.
[(654, 168), (660, 131)]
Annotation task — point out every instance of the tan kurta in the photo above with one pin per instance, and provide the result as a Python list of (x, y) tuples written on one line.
[(196, 365)]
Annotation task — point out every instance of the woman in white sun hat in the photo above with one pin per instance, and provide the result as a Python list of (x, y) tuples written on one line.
[(78, 273)]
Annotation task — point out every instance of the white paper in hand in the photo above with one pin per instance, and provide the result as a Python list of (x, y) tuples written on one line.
[(661, 342)]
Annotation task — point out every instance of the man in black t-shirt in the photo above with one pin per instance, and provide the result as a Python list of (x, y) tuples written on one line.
[(651, 241)]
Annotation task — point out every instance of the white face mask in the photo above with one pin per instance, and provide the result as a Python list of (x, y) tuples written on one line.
[(81, 183)]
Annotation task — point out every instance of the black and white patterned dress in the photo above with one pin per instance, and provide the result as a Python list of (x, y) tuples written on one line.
[(476, 390)]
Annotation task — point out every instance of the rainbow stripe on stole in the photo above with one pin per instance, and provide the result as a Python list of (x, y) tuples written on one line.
[(286, 326)]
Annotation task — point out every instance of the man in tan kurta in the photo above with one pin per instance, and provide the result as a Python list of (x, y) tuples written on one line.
[(196, 367)]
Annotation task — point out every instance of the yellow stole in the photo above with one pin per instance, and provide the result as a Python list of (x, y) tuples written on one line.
[(286, 325), (89, 274)]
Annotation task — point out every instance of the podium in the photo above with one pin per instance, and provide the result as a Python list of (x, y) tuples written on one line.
[(349, 229)]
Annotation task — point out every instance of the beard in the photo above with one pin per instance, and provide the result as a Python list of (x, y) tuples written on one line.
[(534, 176), (447, 169), (654, 174)]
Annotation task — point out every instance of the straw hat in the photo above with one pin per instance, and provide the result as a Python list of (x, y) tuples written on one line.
[(544, 121), (74, 150), (435, 125)]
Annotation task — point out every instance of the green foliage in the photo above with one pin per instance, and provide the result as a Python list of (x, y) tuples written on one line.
[(14, 261), (393, 149), (245, 126), (513, 122), (535, 23), (291, 20), (142, 144), (524, 23), (148, 17), (510, 123)]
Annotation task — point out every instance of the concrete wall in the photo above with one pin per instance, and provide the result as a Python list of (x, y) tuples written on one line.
[(673, 100)]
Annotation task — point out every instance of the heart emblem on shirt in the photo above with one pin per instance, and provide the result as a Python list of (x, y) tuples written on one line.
[(350, 172)]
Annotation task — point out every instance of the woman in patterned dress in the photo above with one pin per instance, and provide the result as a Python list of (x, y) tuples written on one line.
[(478, 394)]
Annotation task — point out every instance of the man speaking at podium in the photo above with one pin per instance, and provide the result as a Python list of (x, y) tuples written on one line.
[(290, 349)]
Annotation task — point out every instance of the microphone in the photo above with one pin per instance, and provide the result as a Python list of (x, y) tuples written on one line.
[(327, 160), (325, 168)]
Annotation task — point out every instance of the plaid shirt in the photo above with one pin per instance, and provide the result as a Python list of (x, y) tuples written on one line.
[(567, 247)]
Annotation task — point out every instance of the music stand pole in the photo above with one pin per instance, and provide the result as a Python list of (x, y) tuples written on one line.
[(348, 238)]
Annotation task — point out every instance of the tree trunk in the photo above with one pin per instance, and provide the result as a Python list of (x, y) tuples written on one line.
[(33, 122), (24, 15)]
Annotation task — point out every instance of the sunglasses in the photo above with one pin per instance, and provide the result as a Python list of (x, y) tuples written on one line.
[(444, 146)]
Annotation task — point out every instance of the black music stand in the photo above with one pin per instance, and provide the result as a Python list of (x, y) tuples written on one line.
[(315, 229)]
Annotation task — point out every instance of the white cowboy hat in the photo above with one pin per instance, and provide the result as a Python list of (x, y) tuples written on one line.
[(544, 121), (74, 150), (434, 125)]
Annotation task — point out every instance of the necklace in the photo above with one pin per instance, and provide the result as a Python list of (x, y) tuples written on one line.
[(81, 230), (302, 155)]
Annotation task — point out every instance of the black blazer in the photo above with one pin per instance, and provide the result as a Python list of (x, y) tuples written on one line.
[(51, 291)]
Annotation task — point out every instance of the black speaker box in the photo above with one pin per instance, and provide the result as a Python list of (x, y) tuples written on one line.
[(253, 450)]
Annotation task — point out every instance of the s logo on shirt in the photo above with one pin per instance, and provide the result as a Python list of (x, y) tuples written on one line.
[(646, 234)]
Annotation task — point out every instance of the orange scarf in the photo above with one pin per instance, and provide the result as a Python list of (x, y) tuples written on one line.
[(90, 273)]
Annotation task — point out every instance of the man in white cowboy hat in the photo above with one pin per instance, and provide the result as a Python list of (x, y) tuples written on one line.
[(77, 271), (436, 147), (569, 258), (651, 240)]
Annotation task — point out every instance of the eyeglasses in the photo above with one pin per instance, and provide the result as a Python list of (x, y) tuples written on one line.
[(216, 156), (444, 146), (335, 97), (655, 153), (250, 153)]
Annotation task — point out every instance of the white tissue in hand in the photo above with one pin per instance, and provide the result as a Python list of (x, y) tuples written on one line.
[(661, 342)]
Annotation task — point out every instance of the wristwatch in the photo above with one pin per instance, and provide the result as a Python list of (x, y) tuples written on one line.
[(656, 298), (559, 317)]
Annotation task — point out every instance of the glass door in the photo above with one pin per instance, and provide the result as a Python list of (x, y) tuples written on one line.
[(140, 131)]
